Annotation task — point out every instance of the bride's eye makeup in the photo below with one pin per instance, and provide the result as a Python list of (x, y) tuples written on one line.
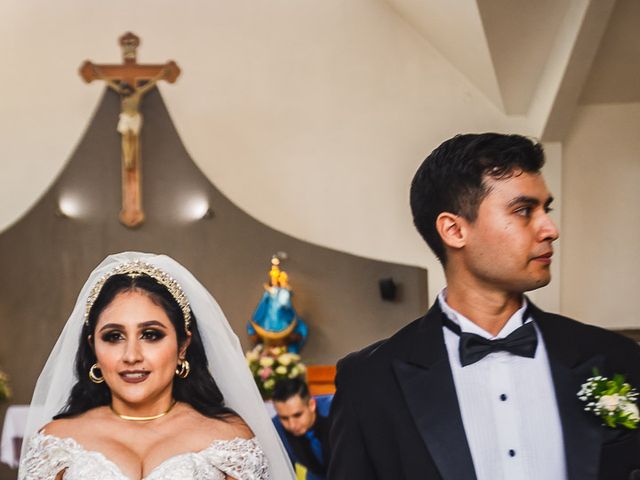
[(112, 336), (152, 334)]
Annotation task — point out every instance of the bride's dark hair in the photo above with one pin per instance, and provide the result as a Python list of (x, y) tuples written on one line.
[(198, 389)]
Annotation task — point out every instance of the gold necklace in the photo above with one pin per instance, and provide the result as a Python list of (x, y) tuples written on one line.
[(143, 419)]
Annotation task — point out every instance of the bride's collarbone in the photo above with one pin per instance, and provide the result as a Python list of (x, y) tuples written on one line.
[(143, 449), (138, 457), (135, 449)]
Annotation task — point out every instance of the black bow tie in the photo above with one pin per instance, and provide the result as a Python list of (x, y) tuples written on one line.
[(522, 342)]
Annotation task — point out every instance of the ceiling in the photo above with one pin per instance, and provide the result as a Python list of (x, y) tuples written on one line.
[(504, 46), (313, 93), (615, 74)]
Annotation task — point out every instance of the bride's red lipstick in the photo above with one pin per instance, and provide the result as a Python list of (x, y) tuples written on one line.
[(134, 376)]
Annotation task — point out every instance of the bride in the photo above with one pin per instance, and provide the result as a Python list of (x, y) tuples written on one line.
[(160, 388)]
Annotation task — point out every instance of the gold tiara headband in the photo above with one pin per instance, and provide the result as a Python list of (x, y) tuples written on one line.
[(135, 269)]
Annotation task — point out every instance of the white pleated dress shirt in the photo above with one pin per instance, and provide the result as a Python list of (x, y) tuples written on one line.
[(508, 407)]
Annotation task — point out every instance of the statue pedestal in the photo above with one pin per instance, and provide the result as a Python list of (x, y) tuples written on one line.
[(321, 379)]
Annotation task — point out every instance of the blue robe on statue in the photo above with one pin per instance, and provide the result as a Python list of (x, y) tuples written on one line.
[(275, 313)]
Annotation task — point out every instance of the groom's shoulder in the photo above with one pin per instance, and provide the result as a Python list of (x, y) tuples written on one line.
[(590, 338), (584, 331), (378, 355)]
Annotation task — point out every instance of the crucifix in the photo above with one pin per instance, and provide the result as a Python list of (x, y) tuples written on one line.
[(131, 81)]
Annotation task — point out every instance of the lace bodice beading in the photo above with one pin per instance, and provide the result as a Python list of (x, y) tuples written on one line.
[(47, 455)]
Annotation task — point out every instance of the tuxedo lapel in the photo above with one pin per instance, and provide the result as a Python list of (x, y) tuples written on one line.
[(426, 382), (570, 368)]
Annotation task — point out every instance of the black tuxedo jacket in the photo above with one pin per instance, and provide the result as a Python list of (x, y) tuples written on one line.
[(396, 416)]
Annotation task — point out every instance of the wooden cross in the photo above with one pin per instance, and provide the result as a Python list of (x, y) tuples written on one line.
[(131, 81)]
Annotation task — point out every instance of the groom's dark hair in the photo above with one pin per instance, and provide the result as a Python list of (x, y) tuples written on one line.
[(452, 178), (198, 389)]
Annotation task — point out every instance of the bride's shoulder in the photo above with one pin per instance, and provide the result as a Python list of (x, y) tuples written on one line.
[(228, 427), (232, 427), (225, 444), (233, 448), (61, 428), (70, 427), (53, 448)]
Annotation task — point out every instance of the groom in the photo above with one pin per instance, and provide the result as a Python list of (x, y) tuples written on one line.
[(440, 399)]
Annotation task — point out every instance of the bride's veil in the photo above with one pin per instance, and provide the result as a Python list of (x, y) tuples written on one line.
[(224, 353)]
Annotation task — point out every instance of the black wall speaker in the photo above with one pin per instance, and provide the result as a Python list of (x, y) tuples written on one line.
[(388, 289)]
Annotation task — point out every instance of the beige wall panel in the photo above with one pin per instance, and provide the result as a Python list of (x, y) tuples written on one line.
[(601, 216)]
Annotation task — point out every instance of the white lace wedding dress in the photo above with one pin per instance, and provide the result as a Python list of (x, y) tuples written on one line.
[(48, 455)]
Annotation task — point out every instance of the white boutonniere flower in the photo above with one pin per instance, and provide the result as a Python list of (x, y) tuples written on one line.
[(613, 400)]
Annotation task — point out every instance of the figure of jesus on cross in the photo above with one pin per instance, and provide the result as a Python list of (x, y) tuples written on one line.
[(131, 81), (130, 121)]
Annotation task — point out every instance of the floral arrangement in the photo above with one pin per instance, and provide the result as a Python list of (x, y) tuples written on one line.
[(614, 401), (270, 364), (5, 391)]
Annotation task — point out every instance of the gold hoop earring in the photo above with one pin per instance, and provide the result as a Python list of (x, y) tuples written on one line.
[(92, 374), (183, 368)]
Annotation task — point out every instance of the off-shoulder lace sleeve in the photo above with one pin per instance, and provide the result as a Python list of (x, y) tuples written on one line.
[(239, 458), (45, 457)]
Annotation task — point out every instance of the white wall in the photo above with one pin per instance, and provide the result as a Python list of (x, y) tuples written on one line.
[(601, 218), (311, 116)]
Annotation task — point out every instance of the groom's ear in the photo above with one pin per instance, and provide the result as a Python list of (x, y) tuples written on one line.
[(452, 229)]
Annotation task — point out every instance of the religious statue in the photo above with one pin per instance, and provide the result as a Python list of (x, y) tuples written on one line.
[(275, 321), (131, 80)]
